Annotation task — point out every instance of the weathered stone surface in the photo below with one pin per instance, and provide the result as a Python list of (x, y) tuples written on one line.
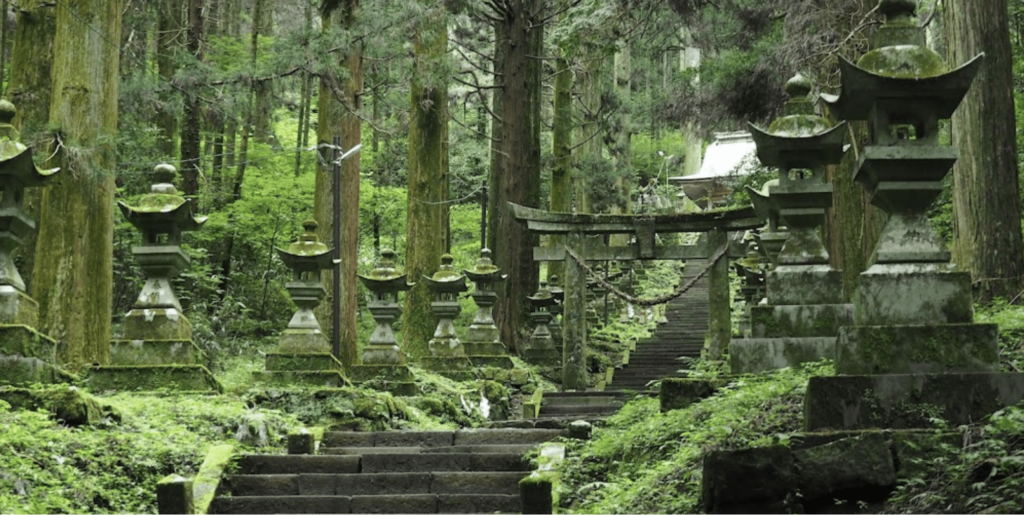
[(17, 308), (298, 464), (174, 495), (536, 495), (904, 401), (282, 361), (264, 484), (156, 324), (456, 367), (475, 482), (361, 373), (348, 439), (154, 352), (484, 348), (679, 393), (304, 340), (478, 503), (757, 480), (151, 378), (805, 284), (379, 463), (793, 321), (22, 340), (414, 439), (502, 362), (394, 504), (65, 403), (302, 378), (384, 484), (754, 355), (898, 294), (859, 468), (285, 504), (302, 442), (505, 436), (918, 349), (19, 371)]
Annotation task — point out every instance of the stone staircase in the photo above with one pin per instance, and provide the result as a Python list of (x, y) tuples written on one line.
[(591, 406), (466, 471), (683, 336)]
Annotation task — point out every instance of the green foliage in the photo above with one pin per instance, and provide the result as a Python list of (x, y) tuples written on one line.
[(645, 461), (1010, 319)]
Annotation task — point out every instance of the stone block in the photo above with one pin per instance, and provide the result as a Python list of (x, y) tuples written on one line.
[(303, 341), (194, 378), (918, 349), (348, 439), (385, 484), (17, 308), (24, 341), (799, 321), (285, 361), (754, 355), (154, 352), (851, 469), (502, 362), (284, 504), (679, 393), (20, 371), (264, 484), (302, 442), (456, 367), (174, 495), (302, 378), (901, 294), (381, 463), (506, 436), (362, 373), (536, 494), (394, 504), (429, 439), (474, 482), (805, 284), (905, 401), (473, 348), (298, 464), (478, 503), (757, 480), (543, 356), (156, 324)]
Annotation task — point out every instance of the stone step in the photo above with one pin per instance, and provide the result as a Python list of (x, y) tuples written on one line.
[(439, 438), (298, 464), (442, 462), (586, 409), (455, 449), (422, 503), (396, 483), (585, 393)]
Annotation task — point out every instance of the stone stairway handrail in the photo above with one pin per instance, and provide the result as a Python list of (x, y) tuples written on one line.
[(176, 494)]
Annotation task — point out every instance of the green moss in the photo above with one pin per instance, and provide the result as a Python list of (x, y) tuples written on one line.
[(903, 62), (918, 349), (204, 486), (66, 404)]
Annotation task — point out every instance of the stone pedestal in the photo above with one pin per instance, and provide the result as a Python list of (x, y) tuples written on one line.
[(483, 344), (383, 362)]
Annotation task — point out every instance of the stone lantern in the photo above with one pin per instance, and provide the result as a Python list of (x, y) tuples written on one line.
[(913, 341), (557, 293), (303, 356), (806, 302), (542, 349), (157, 350), (771, 240), (483, 341), (447, 354), (21, 362), (384, 283)]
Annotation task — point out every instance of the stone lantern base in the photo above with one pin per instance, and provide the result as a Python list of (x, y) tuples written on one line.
[(459, 368), (397, 379), (27, 357)]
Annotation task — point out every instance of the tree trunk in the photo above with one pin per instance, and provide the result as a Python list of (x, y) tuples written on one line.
[(986, 199), (427, 214), (29, 90), (170, 31), (74, 277), (193, 113), (621, 136), (588, 87), (263, 25), (689, 58), (561, 173), (497, 165), (331, 116), (520, 178), (303, 100)]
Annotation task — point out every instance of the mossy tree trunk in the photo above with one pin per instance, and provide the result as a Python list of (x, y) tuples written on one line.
[(29, 90), (170, 27), (74, 271), (622, 134), (520, 176), (588, 87), (192, 115), (337, 108), (263, 26), (561, 136), (426, 210), (497, 164), (986, 197)]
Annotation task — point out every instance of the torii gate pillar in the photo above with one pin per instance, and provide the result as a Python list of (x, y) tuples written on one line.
[(574, 320), (719, 300)]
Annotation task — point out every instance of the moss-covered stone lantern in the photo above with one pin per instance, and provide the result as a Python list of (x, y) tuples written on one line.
[(770, 240), (26, 356), (483, 340), (542, 349), (303, 356), (447, 355), (557, 293), (384, 283), (157, 350), (913, 341), (806, 303)]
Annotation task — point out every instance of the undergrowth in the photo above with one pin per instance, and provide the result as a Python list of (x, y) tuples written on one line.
[(645, 461)]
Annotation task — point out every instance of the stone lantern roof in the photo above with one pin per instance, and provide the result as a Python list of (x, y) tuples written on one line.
[(307, 253), (385, 277), (16, 163), (446, 279), (163, 210)]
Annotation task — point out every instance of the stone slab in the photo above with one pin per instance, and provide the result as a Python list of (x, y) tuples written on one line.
[(505, 436), (394, 503), (17, 308), (918, 349), (543, 356), (302, 378), (25, 341), (155, 352), (906, 401), (898, 294), (755, 355), (484, 348), (361, 373), (384, 484), (805, 284), (506, 483), (414, 439), (157, 324), (479, 503), (348, 439), (769, 479), (195, 378), (67, 404), (679, 393), (305, 341), (862, 466), (298, 464), (457, 367), (282, 504), (264, 484), (380, 463), (21, 371), (502, 362), (799, 321), (284, 361)]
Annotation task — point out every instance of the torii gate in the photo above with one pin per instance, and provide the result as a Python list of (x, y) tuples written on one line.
[(575, 227)]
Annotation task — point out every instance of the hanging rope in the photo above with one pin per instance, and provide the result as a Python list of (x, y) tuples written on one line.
[(647, 302)]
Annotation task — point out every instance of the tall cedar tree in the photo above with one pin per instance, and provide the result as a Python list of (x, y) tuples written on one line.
[(74, 274), (519, 179), (427, 212), (561, 147), (986, 198), (339, 104), (170, 27), (192, 115)]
